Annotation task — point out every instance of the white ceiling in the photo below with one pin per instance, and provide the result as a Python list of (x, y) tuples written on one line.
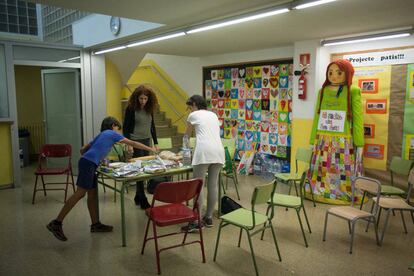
[(343, 17)]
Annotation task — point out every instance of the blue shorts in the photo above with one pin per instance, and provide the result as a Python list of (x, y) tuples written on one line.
[(87, 177)]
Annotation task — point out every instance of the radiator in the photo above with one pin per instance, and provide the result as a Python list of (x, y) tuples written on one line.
[(37, 136)]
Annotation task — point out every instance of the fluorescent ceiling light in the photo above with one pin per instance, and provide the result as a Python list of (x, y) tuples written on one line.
[(364, 38), (110, 50), (155, 39), (236, 21), (312, 4)]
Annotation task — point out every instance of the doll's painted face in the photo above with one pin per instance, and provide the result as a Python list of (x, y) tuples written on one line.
[(335, 75)]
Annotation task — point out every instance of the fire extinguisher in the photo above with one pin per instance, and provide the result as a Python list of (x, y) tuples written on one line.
[(302, 86)]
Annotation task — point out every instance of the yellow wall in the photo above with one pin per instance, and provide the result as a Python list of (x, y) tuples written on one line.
[(113, 90), (29, 95), (162, 85), (6, 167), (301, 130)]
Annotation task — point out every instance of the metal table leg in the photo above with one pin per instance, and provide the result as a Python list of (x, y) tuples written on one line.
[(123, 213)]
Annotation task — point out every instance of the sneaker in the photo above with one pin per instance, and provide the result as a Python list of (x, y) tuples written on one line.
[(56, 228), (192, 227), (208, 222), (100, 227)]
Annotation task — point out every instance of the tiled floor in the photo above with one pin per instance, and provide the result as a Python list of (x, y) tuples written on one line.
[(27, 248)]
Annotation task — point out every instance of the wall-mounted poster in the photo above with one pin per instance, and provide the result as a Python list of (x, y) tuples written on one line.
[(369, 131), (255, 103), (376, 106), (369, 86)]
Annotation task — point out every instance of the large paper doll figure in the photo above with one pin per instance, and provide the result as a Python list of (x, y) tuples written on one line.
[(337, 135)]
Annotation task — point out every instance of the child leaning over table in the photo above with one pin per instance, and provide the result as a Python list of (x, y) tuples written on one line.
[(92, 154)]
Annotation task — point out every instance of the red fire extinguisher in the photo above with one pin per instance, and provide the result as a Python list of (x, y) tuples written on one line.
[(302, 86)]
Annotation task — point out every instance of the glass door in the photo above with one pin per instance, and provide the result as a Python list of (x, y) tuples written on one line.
[(62, 109)]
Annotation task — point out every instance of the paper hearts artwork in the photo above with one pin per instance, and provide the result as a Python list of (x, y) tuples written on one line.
[(274, 70), (274, 82), (241, 104), (241, 73), (213, 74), (273, 149), (274, 92), (265, 71), (234, 73), (265, 83)]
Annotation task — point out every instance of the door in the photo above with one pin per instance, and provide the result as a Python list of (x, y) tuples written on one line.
[(62, 112)]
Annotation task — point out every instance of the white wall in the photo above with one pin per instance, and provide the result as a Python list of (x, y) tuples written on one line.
[(82, 34), (187, 72)]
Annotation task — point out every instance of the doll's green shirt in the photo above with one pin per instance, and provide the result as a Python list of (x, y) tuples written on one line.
[(331, 102)]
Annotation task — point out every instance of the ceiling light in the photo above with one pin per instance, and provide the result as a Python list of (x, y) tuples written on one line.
[(164, 37), (238, 20), (109, 50), (365, 38), (312, 4)]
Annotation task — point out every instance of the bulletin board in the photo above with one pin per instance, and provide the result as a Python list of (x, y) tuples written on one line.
[(253, 102), (388, 105)]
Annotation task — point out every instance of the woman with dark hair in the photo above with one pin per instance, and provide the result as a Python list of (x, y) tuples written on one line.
[(139, 126), (208, 154)]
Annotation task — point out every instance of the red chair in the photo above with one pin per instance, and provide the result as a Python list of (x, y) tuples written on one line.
[(54, 151), (174, 212)]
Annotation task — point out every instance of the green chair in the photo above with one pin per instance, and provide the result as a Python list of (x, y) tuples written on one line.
[(247, 220), (229, 171), (231, 146), (165, 143), (411, 267), (295, 202), (304, 155), (398, 166)]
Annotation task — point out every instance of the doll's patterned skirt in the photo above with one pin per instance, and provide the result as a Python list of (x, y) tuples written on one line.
[(331, 169)]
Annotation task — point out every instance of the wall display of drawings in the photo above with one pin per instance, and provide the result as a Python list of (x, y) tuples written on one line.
[(254, 105)]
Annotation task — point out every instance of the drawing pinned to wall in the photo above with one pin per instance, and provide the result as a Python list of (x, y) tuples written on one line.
[(368, 85), (374, 151), (376, 106), (257, 96), (369, 131)]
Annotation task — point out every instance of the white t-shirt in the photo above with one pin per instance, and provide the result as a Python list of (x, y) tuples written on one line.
[(209, 148)]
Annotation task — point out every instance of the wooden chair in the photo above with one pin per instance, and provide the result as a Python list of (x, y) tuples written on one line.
[(48, 153), (352, 214)]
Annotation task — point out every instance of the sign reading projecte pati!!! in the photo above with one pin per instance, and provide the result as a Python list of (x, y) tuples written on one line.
[(402, 56)]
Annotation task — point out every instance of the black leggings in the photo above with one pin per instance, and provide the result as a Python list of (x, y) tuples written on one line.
[(140, 193)]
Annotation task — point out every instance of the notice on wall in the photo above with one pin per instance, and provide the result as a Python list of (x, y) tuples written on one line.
[(375, 82), (397, 56), (408, 126)]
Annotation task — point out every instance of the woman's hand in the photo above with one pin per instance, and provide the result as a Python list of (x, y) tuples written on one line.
[(157, 148)]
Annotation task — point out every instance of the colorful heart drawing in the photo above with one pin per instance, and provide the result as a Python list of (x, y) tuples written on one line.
[(283, 104), (265, 82), (274, 92), (266, 70), (233, 83), (234, 103), (208, 94), (257, 104), (227, 113), (273, 149), (274, 82), (265, 126), (273, 138), (282, 128), (214, 102), (241, 114), (283, 82), (249, 72), (241, 73), (249, 114), (290, 106), (264, 137), (257, 93), (249, 135), (249, 104), (226, 123), (234, 73), (241, 93), (227, 104), (241, 83), (221, 103), (227, 94), (282, 116), (242, 124), (241, 104), (282, 140), (249, 82), (249, 125), (220, 112), (214, 74), (265, 148), (265, 93), (220, 84), (257, 83), (274, 70), (227, 132), (249, 93), (265, 104), (214, 85), (257, 115), (257, 125), (257, 71), (234, 93), (273, 127), (221, 122)]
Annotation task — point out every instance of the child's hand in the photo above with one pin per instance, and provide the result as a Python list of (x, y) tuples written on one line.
[(155, 150)]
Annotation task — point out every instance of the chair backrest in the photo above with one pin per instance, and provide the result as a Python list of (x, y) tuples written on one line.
[(192, 142), (117, 153), (228, 163), (165, 143), (366, 184), (178, 191), (261, 195), (231, 146), (400, 166), (56, 150), (303, 155)]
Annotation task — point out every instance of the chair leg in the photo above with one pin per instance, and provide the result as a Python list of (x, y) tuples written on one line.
[(311, 190), (376, 231), (349, 227), (43, 183), (157, 252), (324, 228), (352, 236), (379, 216), (145, 236), (264, 226), (369, 221), (115, 191), (251, 249), (301, 227), (235, 186), (362, 201), (203, 256), (385, 225), (296, 188), (34, 190), (275, 241), (240, 236), (66, 187), (217, 241), (102, 179), (403, 221), (306, 218)]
